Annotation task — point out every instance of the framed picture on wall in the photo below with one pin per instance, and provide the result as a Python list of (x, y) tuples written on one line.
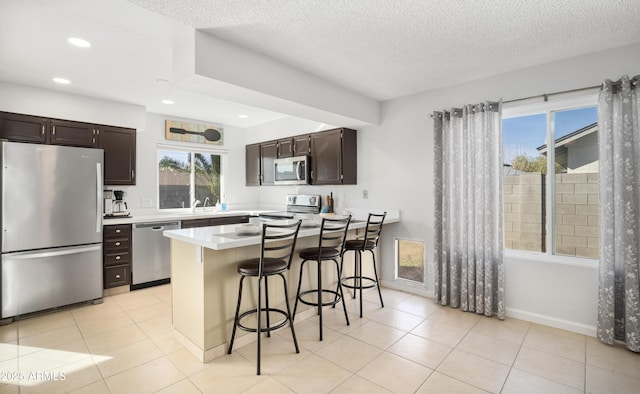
[(193, 132)]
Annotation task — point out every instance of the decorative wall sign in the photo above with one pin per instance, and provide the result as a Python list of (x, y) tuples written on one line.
[(193, 132)]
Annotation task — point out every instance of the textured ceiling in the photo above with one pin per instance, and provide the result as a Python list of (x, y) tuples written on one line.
[(386, 49), (378, 48)]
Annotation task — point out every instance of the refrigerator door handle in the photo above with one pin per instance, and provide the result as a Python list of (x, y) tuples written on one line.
[(99, 188), (60, 252)]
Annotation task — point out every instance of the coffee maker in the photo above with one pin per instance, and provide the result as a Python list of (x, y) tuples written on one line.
[(114, 205)]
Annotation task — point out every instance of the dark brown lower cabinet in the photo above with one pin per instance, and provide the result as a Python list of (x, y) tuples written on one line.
[(219, 221), (117, 255)]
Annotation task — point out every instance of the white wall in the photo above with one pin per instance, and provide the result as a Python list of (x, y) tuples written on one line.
[(59, 105), (396, 166), (147, 140)]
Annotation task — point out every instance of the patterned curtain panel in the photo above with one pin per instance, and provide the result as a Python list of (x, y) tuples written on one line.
[(469, 269), (619, 136)]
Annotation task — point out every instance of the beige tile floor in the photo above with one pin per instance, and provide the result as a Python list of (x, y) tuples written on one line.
[(410, 346)]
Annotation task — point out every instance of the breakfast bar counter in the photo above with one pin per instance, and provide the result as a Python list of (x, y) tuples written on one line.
[(204, 281)]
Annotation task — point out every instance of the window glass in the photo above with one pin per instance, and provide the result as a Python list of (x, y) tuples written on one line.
[(551, 182), (524, 182), (410, 260), (576, 183), (184, 177)]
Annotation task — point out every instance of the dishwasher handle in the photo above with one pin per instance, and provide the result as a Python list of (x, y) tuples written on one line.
[(156, 226)]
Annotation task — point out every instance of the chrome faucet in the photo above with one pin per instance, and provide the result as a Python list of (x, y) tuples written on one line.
[(195, 203), (206, 200)]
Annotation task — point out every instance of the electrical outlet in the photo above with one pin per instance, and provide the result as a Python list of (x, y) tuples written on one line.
[(365, 194), (146, 203)]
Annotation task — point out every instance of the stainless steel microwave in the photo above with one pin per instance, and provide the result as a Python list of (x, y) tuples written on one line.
[(292, 170)]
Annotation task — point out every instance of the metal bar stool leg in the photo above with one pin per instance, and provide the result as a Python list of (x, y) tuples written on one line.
[(375, 273), (355, 271), (359, 260), (286, 302), (320, 295), (235, 320), (259, 322), (344, 305), (295, 307), (266, 297)]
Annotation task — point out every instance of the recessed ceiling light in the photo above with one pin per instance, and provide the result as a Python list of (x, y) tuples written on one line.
[(167, 101), (61, 81), (79, 42), (243, 116)]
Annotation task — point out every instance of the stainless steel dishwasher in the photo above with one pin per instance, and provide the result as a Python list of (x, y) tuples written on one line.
[(151, 263)]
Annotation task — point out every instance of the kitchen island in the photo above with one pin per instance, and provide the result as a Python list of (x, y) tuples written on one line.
[(205, 281)]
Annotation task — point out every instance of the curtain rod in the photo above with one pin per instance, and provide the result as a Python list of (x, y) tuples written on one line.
[(546, 95)]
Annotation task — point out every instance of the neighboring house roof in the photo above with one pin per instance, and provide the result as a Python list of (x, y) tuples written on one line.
[(563, 143), (565, 139)]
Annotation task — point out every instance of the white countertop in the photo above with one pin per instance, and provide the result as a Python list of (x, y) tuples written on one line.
[(163, 217), (226, 237)]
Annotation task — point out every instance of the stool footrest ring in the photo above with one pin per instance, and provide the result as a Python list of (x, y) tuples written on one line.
[(265, 329), (334, 301), (373, 282)]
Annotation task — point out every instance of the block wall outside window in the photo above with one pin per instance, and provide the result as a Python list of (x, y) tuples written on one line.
[(524, 216), (577, 215)]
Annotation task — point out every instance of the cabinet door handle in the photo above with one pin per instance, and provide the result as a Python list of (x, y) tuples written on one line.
[(53, 130), (117, 257), (42, 129), (117, 243), (118, 231), (133, 174), (117, 276)]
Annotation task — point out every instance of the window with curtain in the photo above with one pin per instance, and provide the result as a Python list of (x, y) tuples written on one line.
[(551, 178)]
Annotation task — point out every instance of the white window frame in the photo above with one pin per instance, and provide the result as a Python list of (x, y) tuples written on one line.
[(514, 110), (224, 160)]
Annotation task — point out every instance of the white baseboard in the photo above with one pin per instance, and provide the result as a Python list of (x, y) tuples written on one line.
[(552, 322), (511, 312), (418, 290)]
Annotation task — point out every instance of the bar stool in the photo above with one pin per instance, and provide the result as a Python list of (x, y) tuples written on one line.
[(276, 253), (333, 233), (363, 244)]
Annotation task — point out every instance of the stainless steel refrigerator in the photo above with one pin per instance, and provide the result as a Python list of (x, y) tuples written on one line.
[(51, 206)]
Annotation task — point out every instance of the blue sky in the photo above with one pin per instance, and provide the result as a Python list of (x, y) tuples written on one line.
[(524, 134)]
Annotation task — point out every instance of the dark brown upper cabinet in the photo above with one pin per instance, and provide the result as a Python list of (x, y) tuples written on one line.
[(119, 145), (333, 157), (268, 153), (302, 145), (64, 132), (294, 146), (24, 128), (285, 147), (252, 165)]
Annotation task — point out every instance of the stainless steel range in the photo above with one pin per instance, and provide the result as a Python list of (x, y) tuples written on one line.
[(298, 205)]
